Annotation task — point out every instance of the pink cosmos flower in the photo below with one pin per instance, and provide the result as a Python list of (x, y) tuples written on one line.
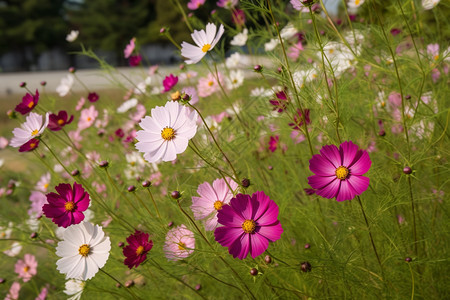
[(282, 102), (195, 4), (208, 85), (249, 224), (129, 48), (433, 51), (43, 294), (180, 243), (57, 122), (33, 127), (3, 142), (28, 103), (338, 172), (80, 104), (169, 82), (228, 4), (13, 293), (297, 136), (298, 120), (136, 251), (38, 199), (294, 51), (211, 200), (298, 5), (192, 92), (273, 143), (66, 207), (87, 118), (26, 268)]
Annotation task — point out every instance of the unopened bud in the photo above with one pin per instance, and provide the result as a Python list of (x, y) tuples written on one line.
[(146, 183), (268, 259), (306, 266), (103, 164), (175, 195), (407, 170), (131, 188), (253, 272), (245, 182)]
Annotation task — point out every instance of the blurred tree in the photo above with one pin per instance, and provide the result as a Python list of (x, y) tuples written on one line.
[(30, 27)]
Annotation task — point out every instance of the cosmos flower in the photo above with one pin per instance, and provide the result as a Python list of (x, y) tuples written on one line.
[(5, 232), (205, 42), (29, 146), (135, 60), (58, 121), (249, 224), (32, 128), (74, 288), (167, 132), (66, 84), (338, 172), (211, 200), (208, 85), (238, 17), (180, 243), (67, 207), (240, 39), (27, 267), (169, 82), (298, 120), (195, 4), (87, 118), (93, 97), (136, 251), (273, 143), (282, 102), (228, 4), (13, 293), (127, 105), (84, 250), (38, 199), (235, 79), (429, 4), (354, 4), (129, 48), (28, 103), (14, 250), (72, 36)]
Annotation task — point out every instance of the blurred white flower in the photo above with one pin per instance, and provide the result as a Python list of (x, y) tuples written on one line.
[(72, 36), (66, 84), (288, 31), (127, 105), (234, 61), (235, 80), (14, 250), (240, 39), (74, 288), (270, 45), (429, 4)]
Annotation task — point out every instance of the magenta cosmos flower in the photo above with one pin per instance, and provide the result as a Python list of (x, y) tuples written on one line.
[(27, 267), (28, 103), (180, 243), (338, 172), (169, 82), (249, 224), (58, 121), (212, 198), (66, 207), (136, 251)]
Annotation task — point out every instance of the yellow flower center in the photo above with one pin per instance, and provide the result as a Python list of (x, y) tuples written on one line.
[(60, 122), (210, 83), (139, 250), (331, 51), (2, 235), (168, 133), (34, 132), (84, 250), (249, 226), (132, 163), (357, 2), (30, 105), (89, 119), (32, 145), (342, 172), (436, 57), (69, 206), (206, 47), (218, 205), (26, 269), (181, 246), (46, 186)]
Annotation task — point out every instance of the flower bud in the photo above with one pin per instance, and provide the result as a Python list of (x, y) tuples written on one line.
[(175, 195), (407, 170), (121, 244), (198, 287), (75, 172), (258, 68), (131, 188), (382, 132), (170, 224), (72, 70), (103, 164), (175, 96), (306, 266), (408, 259), (253, 272), (146, 183), (307, 246), (268, 259), (408, 97), (129, 283), (43, 83), (34, 235), (2, 280), (245, 182), (23, 84), (162, 30)]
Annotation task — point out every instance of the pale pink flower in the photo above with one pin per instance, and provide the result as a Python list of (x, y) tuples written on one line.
[(195, 4), (129, 48), (26, 268), (43, 294), (208, 85), (156, 178), (139, 114), (3, 142), (211, 200), (180, 243), (186, 76), (32, 128), (13, 293), (75, 136), (294, 51), (297, 136), (43, 183), (87, 118), (153, 70), (191, 91), (38, 199), (433, 51), (80, 104)]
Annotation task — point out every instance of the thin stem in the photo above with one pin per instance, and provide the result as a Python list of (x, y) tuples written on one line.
[(412, 282), (126, 289), (154, 202), (414, 215), (143, 204), (186, 20), (370, 233), (196, 151)]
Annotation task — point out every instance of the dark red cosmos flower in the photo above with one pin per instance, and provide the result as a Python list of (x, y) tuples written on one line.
[(93, 97), (28, 103), (134, 60), (273, 143), (66, 207), (29, 146), (57, 122), (136, 251), (281, 103), (298, 120)]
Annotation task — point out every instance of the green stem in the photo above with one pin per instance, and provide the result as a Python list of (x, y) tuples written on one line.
[(126, 289), (154, 202), (186, 20)]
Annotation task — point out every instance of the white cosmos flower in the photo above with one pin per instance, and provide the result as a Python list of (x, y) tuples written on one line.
[(288, 31), (66, 84), (429, 4), (240, 39), (5, 232), (354, 4), (74, 288), (205, 42), (127, 105), (270, 45), (33, 127), (14, 250), (234, 61), (235, 80), (84, 250), (167, 132), (72, 36)]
